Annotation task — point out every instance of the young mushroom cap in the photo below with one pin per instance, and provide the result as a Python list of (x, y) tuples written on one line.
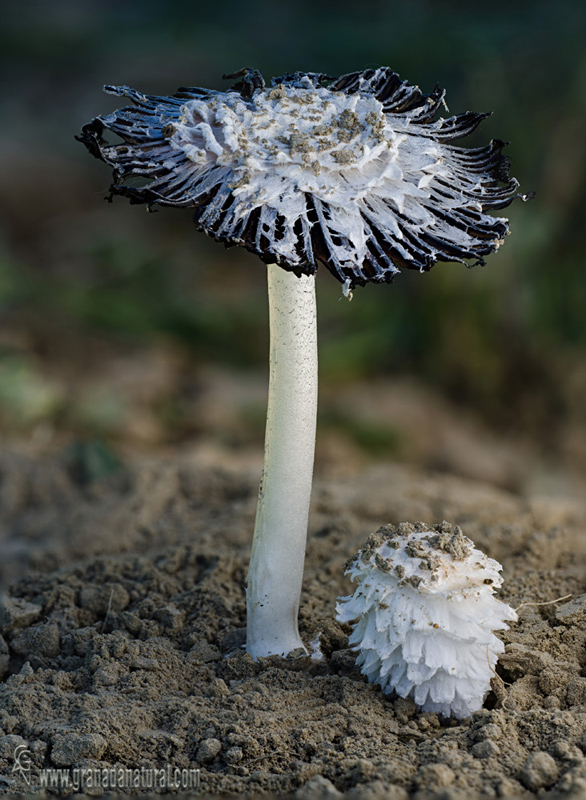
[(426, 612), (353, 171)]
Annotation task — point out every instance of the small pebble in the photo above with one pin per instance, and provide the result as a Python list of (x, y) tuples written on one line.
[(577, 692), (42, 640), (233, 755), (17, 613), (490, 731), (208, 750), (485, 749), (539, 771), (552, 703)]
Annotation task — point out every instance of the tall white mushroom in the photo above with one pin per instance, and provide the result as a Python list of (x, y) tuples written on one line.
[(353, 172)]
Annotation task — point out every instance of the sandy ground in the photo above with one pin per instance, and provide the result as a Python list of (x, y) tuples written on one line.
[(125, 613)]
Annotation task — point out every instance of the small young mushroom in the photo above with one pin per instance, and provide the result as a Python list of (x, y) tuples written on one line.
[(354, 172), (426, 613)]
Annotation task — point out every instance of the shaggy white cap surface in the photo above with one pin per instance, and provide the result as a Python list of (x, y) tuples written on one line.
[(426, 613), (355, 171)]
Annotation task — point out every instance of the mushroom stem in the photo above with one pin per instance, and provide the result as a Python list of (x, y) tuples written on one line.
[(275, 573)]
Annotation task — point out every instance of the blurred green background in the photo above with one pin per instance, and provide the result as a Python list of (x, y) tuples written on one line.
[(122, 326)]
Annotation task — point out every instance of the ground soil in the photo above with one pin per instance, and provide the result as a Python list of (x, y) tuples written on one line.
[(125, 614)]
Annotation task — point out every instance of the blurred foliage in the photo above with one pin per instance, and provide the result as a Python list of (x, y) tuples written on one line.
[(72, 267), (25, 397), (90, 460), (374, 439)]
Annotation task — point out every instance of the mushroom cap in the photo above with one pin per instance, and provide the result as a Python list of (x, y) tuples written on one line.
[(426, 612), (352, 171)]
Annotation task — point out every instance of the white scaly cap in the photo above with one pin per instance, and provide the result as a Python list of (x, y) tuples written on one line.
[(426, 613)]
